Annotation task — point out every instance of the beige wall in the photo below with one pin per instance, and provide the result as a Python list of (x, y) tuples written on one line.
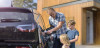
[(40, 6)]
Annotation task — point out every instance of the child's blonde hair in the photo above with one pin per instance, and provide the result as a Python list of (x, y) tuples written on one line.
[(64, 39)]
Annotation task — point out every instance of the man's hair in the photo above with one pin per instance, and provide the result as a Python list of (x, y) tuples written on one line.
[(51, 9), (71, 22)]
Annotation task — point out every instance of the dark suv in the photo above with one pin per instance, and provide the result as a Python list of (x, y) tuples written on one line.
[(11, 19)]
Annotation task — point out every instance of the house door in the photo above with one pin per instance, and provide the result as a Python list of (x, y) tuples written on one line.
[(90, 35)]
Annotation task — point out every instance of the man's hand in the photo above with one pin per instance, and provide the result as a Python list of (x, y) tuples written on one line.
[(56, 28), (49, 31), (43, 33)]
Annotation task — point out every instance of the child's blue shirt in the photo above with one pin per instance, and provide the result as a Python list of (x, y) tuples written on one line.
[(71, 34)]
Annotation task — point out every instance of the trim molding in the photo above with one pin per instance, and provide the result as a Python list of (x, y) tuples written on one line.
[(67, 4)]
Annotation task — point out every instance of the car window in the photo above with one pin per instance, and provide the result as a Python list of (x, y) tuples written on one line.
[(13, 15)]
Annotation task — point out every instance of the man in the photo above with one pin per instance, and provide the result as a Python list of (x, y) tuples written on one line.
[(59, 22)]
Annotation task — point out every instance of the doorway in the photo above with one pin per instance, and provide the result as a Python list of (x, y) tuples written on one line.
[(93, 27)]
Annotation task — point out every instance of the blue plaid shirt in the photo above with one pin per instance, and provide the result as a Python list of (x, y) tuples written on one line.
[(54, 22)]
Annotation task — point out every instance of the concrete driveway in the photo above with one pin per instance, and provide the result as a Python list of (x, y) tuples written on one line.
[(87, 46)]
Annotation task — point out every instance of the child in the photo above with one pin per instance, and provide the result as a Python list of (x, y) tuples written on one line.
[(64, 40), (72, 33)]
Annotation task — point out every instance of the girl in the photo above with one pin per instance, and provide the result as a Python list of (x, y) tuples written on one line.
[(64, 40)]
